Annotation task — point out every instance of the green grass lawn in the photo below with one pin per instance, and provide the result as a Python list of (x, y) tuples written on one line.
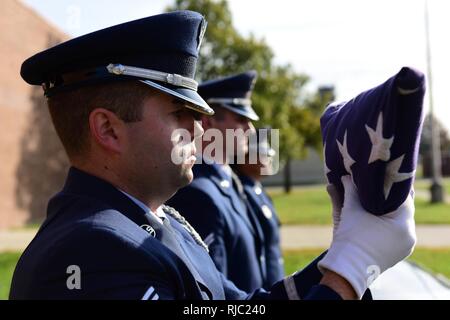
[(8, 262), (427, 213), (311, 205), (303, 206), (435, 260)]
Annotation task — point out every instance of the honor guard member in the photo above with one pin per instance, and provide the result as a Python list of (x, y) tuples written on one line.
[(115, 97), (212, 203), (250, 173)]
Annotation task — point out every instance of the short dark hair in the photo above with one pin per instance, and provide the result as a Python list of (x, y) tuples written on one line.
[(70, 110)]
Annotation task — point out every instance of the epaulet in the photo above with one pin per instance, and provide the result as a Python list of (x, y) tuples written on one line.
[(181, 220)]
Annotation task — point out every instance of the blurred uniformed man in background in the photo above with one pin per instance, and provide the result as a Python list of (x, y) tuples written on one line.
[(212, 202), (258, 162), (117, 98)]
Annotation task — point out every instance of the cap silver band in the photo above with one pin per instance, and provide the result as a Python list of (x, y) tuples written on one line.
[(171, 78), (243, 101)]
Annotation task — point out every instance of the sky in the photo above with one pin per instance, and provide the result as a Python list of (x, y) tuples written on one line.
[(351, 44)]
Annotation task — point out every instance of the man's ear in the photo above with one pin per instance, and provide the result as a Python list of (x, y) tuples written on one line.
[(107, 129)]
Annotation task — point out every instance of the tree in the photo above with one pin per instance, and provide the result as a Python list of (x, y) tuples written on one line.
[(278, 97), (223, 49)]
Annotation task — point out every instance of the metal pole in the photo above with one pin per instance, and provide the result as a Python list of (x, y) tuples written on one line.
[(437, 194)]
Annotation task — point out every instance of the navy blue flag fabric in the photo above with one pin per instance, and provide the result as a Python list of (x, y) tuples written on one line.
[(375, 138)]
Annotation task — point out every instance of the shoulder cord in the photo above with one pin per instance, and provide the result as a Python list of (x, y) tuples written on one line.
[(181, 220)]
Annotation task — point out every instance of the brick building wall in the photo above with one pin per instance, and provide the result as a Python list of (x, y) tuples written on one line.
[(32, 162)]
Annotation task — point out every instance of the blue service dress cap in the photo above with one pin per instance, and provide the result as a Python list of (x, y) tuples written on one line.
[(160, 51), (232, 93)]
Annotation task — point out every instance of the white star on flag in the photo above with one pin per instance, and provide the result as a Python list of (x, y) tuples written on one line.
[(380, 146), (348, 160), (392, 175)]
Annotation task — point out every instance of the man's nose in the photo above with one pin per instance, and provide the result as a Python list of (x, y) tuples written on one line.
[(198, 129), (248, 125)]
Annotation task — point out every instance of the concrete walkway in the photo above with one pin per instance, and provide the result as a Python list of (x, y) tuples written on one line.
[(292, 237), (304, 237)]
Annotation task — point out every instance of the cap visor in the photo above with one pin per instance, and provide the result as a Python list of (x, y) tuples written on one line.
[(245, 111), (193, 99)]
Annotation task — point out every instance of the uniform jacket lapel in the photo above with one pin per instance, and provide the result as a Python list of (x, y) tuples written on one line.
[(225, 185)]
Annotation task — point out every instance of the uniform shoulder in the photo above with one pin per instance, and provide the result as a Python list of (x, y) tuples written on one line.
[(200, 190)]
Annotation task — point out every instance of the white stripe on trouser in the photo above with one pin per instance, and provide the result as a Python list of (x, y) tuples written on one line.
[(150, 294), (291, 290)]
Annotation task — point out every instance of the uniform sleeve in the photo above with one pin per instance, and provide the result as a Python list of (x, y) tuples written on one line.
[(305, 285), (115, 266), (302, 285), (202, 212)]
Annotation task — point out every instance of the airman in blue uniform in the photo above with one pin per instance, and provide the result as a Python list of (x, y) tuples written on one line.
[(212, 203), (117, 98), (250, 173)]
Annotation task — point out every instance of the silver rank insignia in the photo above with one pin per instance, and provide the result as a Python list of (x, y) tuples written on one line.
[(266, 211), (149, 229)]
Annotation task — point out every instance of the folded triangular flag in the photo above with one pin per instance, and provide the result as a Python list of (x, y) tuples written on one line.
[(375, 138)]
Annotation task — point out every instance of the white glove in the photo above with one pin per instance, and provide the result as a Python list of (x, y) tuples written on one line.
[(364, 243)]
